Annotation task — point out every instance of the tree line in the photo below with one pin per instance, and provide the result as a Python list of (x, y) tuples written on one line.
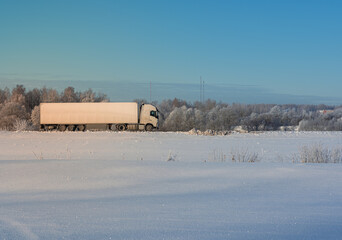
[(19, 108), (209, 115)]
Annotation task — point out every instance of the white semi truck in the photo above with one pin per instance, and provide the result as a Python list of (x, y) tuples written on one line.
[(113, 116)]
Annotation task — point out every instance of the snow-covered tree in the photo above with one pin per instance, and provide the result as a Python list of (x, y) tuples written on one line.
[(35, 116), (11, 112), (18, 94)]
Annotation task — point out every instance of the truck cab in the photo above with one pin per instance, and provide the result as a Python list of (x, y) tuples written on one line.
[(149, 116)]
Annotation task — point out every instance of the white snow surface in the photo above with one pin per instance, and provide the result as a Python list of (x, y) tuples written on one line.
[(120, 185)]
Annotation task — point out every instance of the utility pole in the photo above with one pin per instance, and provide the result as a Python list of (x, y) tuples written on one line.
[(203, 92), (150, 92)]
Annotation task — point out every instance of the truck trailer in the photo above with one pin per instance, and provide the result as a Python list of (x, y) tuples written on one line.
[(111, 115)]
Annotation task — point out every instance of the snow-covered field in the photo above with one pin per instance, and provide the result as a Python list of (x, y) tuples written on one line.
[(113, 185)]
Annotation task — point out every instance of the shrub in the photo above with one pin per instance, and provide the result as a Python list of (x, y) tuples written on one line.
[(317, 153), (21, 125), (10, 113), (244, 155)]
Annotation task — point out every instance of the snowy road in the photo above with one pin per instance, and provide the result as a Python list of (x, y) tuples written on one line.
[(107, 185)]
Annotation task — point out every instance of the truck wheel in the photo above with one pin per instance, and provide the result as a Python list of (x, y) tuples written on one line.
[(148, 127), (80, 128), (120, 127), (71, 128), (61, 128)]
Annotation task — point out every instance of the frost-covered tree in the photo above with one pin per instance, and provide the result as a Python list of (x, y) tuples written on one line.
[(18, 94), (4, 95), (87, 96), (322, 121), (200, 120), (181, 115), (176, 120), (17, 105), (35, 116), (69, 95), (53, 96), (91, 96), (49, 95), (101, 97), (10, 113)]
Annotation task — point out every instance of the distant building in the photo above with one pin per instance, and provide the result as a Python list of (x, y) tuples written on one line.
[(325, 111)]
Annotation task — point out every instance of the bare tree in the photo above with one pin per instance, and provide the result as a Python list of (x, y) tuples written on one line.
[(18, 94), (32, 98), (4, 95), (69, 95)]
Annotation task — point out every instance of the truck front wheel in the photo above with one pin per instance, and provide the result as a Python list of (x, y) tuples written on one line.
[(121, 127), (148, 127)]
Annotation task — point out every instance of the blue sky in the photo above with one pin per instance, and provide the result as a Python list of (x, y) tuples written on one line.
[(245, 51)]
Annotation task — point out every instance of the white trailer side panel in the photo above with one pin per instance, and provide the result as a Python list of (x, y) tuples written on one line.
[(88, 113)]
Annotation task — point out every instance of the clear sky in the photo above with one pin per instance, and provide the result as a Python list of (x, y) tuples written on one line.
[(271, 49)]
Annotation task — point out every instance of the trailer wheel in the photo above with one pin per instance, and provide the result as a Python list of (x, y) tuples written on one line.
[(148, 127), (49, 127), (121, 127), (80, 128), (61, 128), (71, 128)]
